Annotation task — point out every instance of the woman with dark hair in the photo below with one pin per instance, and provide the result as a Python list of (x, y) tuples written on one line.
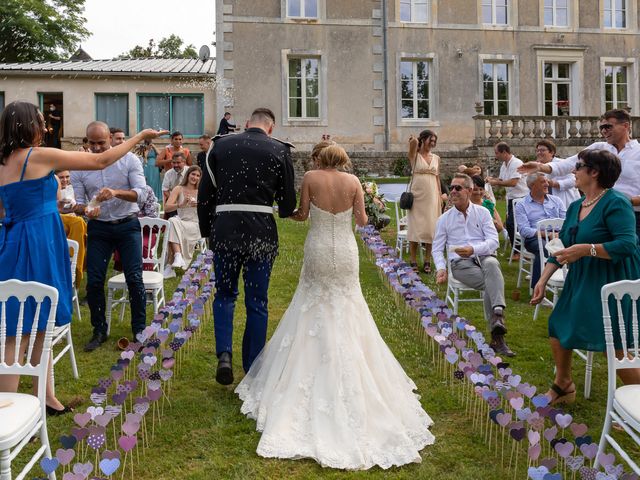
[(601, 247), (427, 201), (33, 245), (478, 196), (184, 231)]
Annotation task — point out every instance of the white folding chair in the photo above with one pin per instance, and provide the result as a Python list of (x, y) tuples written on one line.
[(623, 403), (22, 415), (456, 289), (402, 244), (525, 264), (153, 279), (201, 244), (64, 332)]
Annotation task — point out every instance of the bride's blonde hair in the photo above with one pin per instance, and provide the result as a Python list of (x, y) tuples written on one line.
[(334, 156)]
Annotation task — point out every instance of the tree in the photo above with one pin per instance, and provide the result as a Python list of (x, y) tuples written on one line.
[(37, 30), (168, 47)]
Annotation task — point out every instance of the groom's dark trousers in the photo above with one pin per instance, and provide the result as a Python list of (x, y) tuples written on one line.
[(255, 273)]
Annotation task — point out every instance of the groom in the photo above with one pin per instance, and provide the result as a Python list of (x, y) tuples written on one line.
[(243, 175)]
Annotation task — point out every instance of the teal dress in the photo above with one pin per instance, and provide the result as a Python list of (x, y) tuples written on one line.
[(33, 246), (576, 320), (152, 174)]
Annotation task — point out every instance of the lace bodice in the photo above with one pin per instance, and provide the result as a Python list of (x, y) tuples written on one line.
[(330, 252), (188, 214)]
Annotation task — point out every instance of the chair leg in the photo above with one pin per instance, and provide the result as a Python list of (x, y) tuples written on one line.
[(456, 301), (72, 355), (44, 439), (109, 307), (77, 302), (52, 374), (5, 465), (603, 438), (125, 294), (535, 312), (587, 375)]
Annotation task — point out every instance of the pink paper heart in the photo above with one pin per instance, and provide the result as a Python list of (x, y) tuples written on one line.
[(82, 419), (127, 443)]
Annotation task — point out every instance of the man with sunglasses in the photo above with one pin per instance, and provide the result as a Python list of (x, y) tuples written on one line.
[(615, 127), (467, 231)]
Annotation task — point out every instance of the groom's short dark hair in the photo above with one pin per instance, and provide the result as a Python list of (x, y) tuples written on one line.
[(262, 115)]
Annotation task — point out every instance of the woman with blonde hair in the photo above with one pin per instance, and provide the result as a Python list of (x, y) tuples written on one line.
[(184, 229), (326, 386)]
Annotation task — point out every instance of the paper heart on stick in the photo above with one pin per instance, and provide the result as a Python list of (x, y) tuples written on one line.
[(550, 433), (83, 469), (73, 476), (564, 449), (109, 466), (79, 433), (605, 459), (82, 419), (534, 451), (155, 395), (563, 421), (96, 437), (111, 454), (537, 473), (578, 429), (589, 450), (550, 463), (68, 441), (126, 443), (64, 456), (95, 411), (130, 428), (133, 417), (574, 463), (102, 420), (49, 465)]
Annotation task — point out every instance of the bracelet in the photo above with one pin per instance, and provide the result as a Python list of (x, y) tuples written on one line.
[(593, 250)]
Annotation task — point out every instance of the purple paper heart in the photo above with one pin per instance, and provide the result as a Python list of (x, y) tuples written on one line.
[(83, 469), (564, 449), (537, 473), (49, 465), (605, 459), (563, 421), (130, 428), (111, 454), (550, 463), (82, 419), (126, 443), (79, 433), (578, 429), (587, 473), (574, 463), (589, 450), (534, 451), (73, 476), (65, 456), (550, 434), (109, 466)]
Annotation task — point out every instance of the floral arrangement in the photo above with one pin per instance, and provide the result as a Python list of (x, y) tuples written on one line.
[(374, 204)]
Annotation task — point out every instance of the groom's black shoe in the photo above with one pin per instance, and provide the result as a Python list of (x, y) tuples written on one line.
[(224, 374)]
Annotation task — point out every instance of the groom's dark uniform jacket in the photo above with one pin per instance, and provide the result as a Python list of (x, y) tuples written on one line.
[(250, 168)]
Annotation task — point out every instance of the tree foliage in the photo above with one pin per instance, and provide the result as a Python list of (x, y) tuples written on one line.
[(38, 30), (168, 47)]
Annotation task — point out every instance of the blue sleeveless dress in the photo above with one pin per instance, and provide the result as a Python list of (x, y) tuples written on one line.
[(33, 246)]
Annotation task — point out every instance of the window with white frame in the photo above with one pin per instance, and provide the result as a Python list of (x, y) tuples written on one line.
[(557, 85), (496, 85), (495, 12), (556, 13), (615, 13), (302, 8), (113, 109), (304, 88), (414, 11), (616, 86), (415, 89)]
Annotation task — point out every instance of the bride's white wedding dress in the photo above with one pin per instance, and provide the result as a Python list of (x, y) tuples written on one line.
[(326, 386)]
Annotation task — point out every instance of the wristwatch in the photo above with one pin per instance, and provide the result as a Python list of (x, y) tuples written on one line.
[(593, 250)]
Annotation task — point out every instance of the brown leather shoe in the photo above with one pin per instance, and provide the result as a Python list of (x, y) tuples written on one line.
[(500, 346)]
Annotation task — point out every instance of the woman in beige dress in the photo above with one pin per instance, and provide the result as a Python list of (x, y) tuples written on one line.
[(427, 203)]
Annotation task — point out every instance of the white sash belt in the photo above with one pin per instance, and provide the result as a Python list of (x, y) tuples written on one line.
[(241, 207)]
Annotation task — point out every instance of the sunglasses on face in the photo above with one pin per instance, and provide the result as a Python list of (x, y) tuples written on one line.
[(606, 126), (579, 165), (457, 188)]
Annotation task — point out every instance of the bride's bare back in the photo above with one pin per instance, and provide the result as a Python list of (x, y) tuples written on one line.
[(332, 191)]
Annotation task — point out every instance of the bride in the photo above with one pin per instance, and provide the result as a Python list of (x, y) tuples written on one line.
[(326, 386)]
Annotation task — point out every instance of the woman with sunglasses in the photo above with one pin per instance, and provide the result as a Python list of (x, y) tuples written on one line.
[(600, 247), (427, 202)]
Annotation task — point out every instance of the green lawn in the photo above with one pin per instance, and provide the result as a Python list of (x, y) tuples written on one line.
[(203, 435)]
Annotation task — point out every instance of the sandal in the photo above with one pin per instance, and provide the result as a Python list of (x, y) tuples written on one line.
[(427, 268), (563, 396)]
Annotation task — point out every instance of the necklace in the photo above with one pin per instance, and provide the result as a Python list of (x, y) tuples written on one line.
[(591, 202)]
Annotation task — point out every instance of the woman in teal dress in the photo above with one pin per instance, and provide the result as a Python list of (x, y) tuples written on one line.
[(148, 152), (33, 245), (601, 247)]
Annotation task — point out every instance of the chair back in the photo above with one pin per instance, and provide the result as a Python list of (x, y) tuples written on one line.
[(631, 355), (547, 231), (73, 253), (514, 202), (21, 292), (155, 249), (401, 217)]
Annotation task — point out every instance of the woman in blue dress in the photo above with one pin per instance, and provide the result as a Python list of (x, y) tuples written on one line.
[(33, 245)]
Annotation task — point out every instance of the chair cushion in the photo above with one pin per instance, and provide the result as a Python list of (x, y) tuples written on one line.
[(17, 419), (628, 397), (150, 279)]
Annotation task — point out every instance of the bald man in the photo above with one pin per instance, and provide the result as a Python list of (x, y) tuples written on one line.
[(113, 224)]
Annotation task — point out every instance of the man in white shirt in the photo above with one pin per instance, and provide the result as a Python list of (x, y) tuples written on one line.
[(468, 232), (562, 186), (615, 127), (513, 182), (173, 178)]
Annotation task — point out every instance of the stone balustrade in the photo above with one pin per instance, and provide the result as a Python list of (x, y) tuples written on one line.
[(527, 130)]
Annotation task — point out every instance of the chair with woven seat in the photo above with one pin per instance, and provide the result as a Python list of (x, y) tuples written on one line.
[(154, 254), (64, 332), (456, 290), (623, 403), (23, 416)]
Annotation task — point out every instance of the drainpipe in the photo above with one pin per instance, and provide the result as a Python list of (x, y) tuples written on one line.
[(385, 75)]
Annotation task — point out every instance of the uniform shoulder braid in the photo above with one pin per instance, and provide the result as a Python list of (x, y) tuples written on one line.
[(288, 144)]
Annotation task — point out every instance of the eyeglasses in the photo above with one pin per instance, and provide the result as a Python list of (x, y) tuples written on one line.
[(606, 126), (457, 188), (579, 165), (542, 150)]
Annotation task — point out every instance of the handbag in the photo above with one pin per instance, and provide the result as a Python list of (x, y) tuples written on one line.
[(406, 199)]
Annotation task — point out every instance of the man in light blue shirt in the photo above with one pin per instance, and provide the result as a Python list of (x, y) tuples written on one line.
[(109, 198), (536, 206)]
